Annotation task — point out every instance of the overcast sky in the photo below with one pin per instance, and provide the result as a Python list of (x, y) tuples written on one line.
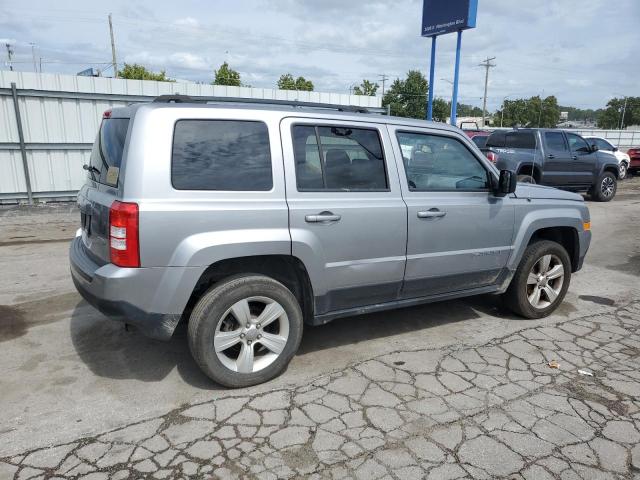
[(582, 51)]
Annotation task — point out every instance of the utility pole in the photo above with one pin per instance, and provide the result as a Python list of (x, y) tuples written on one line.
[(487, 65), (383, 79), (113, 50), (33, 56), (9, 55), (624, 109)]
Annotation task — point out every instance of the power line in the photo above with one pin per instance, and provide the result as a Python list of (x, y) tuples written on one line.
[(487, 65)]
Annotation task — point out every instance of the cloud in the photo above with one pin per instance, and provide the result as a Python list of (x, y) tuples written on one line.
[(572, 49)]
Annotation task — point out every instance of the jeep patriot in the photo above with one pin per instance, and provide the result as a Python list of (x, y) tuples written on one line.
[(248, 220)]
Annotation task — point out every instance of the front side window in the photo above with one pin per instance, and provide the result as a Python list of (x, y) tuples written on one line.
[(434, 162), (227, 155), (555, 141), (338, 158), (577, 143)]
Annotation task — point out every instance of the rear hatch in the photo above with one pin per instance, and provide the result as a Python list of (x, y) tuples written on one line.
[(103, 185)]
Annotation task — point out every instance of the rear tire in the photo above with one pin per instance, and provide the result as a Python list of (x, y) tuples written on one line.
[(526, 179), (541, 280), (605, 188), (228, 341)]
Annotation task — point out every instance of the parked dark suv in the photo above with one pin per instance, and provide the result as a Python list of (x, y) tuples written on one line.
[(556, 158)]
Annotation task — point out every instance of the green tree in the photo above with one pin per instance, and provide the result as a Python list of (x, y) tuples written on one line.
[(611, 116), (464, 110), (441, 109), (225, 75), (134, 71), (287, 82), (366, 88), (529, 112), (407, 98)]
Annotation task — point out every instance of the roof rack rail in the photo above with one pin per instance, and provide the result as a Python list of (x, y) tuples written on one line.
[(266, 101)]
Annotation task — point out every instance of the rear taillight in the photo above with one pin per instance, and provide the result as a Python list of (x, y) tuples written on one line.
[(123, 234), (493, 157)]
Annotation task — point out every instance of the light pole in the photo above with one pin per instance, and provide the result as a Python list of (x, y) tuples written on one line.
[(504, 99), (624, 109), (33, 56)]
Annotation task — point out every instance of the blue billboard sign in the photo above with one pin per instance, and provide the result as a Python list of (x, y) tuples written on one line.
[(446, 16)]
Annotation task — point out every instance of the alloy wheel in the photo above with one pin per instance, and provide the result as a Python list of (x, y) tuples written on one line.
[(607, 186), (544, 281), (252, 334)]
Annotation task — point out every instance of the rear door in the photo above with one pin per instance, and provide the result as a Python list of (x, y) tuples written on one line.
[(103, 186), (459, 234), (558, 166), (347, 219), (583, 161)]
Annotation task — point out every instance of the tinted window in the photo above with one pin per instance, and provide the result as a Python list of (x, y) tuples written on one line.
[(440, 163), (520, 140), (496, 139), (577, 143), (555, 141), (602, 144), (480, 140), (108, 148), (221, 155), (345, 158)]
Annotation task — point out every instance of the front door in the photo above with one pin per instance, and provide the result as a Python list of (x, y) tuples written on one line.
[(459, 234), (558, 164), (583, 160), (347, 219)]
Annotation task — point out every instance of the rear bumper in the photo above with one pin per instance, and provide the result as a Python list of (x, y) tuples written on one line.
[(152, 299)]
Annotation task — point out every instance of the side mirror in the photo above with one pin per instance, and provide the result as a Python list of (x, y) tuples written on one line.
[(506, 183), (594, 147), (615, 149)]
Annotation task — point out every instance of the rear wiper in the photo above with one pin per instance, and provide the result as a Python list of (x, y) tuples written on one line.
[(91, 169)]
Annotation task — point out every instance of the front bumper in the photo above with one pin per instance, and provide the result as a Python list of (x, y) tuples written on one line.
[(152, 299)]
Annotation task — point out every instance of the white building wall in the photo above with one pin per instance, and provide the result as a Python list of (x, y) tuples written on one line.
[(66, 127)]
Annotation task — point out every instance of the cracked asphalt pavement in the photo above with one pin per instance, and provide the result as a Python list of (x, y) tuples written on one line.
[(451, 390)]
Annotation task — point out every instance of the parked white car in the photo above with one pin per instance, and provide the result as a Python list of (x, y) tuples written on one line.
[(623, 158)]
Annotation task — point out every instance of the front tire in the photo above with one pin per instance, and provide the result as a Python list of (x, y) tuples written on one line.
[(622, 171), (245, 330), (541, 280), (605, 188)]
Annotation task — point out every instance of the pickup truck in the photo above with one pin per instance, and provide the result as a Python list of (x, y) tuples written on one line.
[(555, 158)]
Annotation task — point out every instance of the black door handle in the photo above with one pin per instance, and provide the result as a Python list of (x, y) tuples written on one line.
[(551, 155), (574, 157)]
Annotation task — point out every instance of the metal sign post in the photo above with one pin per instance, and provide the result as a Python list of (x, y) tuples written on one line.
[(432, 70), (456, 75), (440, 17)]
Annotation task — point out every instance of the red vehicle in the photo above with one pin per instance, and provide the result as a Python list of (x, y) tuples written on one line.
[(634, 156), (479, 137)]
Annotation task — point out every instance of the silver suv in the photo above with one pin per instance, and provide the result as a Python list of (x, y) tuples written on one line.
[(250, 220)]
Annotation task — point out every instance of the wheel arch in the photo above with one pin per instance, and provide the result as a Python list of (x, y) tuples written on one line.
[(559, 225), (528, 168), (286, 269)]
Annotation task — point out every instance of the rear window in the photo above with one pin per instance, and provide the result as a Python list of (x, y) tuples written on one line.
[(106, 155), (221, 155), (480, 140), (512, 140)]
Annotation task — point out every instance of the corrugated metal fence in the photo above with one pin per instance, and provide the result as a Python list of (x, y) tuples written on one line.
[(60, 115)]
